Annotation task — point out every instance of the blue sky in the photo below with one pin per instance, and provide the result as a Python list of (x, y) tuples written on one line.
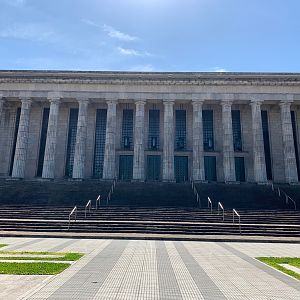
[(151, 35)]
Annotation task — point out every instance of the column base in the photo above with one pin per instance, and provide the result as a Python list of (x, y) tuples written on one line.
[(44, 179), (294, 183), (137, 180), (14, 179), (262, 183), (232, 182), (75, 179), (169, 180), (200, 181)]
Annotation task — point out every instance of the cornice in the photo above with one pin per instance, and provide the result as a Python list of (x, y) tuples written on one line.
[(155, 78)]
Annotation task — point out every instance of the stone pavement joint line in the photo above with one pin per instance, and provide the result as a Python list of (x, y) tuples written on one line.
[(18, 246), (87, 281), (62, 246), (207, 287), (168, 286), (269, 270)]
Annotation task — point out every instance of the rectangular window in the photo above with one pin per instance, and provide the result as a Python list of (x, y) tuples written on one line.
[(17, 122), (294, 125), (236, 130), (180, 130), (265, 128), (43, 139), (100, 133), (153, 136), (208, 130), (127, 129), (71, 141)]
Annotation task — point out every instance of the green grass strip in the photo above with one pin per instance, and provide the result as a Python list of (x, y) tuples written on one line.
[(3, 245), (59, 256), (35, 268), (276, 261)]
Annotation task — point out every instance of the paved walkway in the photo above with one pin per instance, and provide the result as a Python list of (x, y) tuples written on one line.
[(128, 269)]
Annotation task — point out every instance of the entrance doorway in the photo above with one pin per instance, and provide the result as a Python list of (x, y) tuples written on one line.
[(239, 169), (153, 167), (181, 168), (125, 167), (210, 168)]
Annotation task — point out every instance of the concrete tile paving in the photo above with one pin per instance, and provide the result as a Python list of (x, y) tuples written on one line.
[(121, 269)]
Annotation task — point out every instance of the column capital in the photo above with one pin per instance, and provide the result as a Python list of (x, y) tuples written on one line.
[(54, 100), (256, 102), (226, 103), (197, 102), (111, 102), (26, 102), (168, 102), (140, 102), (285, 103), (83, 100)]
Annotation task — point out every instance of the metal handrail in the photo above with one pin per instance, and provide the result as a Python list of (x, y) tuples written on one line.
[(195, 193), (234, 212), (88, 205), (287, 197), (98, 201), (221, 206), (209, 204), (74, 211), (112, 188)]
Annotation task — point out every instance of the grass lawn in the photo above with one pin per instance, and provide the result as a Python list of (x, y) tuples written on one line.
[(59, 256), (3, 245), (38, 267), (275, 261)]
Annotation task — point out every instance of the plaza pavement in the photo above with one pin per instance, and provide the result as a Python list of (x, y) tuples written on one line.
[(131, 269)]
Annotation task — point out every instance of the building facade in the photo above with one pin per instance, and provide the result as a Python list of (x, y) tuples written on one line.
[(225, 127)]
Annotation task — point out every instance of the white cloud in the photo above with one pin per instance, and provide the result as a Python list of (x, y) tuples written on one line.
[(116, 34), (218, 69), (90, 23), (111, 32), (132, 52), (33, 32)]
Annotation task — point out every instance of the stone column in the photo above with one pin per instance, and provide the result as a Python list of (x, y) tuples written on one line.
[(198, 173), (260, 174), (81, 136), (1, 108), (228, 151), (139, 154), (168, 151), (49, 157), (109, 164), (290, 164), (22, 140)]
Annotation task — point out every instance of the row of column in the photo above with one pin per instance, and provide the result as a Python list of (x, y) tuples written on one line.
[(198, 173)]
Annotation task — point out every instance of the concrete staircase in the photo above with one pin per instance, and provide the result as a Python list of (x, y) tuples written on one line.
[(161, 221), (51, 193), (145, 209), (246, 196), (153, 194)]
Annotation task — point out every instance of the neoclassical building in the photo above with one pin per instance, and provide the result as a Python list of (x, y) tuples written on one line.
[(224, 127)]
